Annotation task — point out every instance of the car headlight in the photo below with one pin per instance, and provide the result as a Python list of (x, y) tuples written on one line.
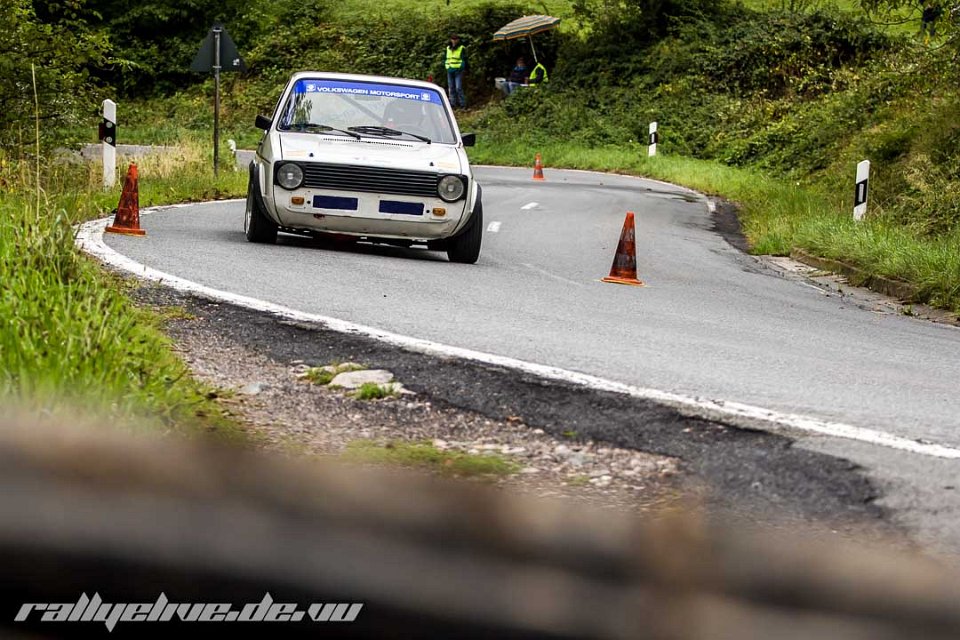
[(451, 188), (289, 176)]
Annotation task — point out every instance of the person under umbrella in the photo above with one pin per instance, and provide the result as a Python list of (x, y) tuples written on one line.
[(518, 76)]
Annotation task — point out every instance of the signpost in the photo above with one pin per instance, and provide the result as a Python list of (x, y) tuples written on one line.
[(217, 53)]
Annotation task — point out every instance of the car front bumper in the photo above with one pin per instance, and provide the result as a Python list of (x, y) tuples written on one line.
[(368, 214)]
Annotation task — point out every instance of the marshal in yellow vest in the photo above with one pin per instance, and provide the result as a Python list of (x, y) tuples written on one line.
[(454, 58)]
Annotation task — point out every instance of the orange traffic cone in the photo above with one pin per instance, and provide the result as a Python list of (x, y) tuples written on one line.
[(537, 168), (624, 269), (127, 220)]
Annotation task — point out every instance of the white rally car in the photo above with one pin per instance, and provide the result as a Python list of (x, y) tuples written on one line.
[(367, 157)]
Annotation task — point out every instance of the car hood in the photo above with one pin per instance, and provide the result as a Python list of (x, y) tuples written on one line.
[(383, 152)]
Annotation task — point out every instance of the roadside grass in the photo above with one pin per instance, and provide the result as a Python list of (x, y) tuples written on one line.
[(188, 116), (374, 391), (71, 341), (425, 455), (74, 189), (777, 216)]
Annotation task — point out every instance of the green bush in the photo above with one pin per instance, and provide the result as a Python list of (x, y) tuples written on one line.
[(779, 54)]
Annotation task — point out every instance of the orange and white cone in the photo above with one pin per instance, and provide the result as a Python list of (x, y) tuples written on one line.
[(624, 269), (127, 220), (538, 168)]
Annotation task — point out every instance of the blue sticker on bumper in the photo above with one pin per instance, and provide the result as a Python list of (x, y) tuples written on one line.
[(405, 208), (335, 202)]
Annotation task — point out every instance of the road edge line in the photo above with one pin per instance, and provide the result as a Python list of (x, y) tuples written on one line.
[(89, 238)]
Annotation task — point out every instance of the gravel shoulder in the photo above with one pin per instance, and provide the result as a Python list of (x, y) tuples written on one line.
[(565, 441), (292, 415)]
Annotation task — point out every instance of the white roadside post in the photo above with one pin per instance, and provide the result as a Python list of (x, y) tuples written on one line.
[(108, 138), (232, 144), (862, 189), (652, 141)]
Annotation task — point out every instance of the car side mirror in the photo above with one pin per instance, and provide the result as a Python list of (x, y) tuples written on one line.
[(469, 139), (263, 122)]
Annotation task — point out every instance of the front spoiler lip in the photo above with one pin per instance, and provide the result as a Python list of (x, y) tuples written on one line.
[(396, 226)]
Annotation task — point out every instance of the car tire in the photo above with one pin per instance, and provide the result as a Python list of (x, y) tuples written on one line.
[(257, 226), (465, 247)]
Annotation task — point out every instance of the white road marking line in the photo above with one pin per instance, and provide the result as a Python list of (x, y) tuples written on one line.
[(529, 205), (550, 275), (624, 175), (493, 227), (90, 239)]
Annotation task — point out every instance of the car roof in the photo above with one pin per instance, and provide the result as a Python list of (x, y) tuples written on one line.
[(355, 77)]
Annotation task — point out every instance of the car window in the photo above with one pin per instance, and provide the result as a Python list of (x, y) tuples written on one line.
[(341, 105)]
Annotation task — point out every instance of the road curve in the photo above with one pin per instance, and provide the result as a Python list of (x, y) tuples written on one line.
[(711, 322)]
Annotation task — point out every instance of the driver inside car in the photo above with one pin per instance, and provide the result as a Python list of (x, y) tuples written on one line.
[(405, 115)]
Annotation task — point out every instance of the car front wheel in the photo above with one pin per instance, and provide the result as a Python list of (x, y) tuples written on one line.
[(257, 226), (465, 248)]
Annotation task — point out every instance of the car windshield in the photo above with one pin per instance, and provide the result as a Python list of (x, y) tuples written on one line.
[(324, 106)]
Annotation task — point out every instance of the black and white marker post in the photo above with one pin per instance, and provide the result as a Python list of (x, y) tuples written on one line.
[(862, 190), (108, 140), (217, 33), (653, 138), (217, 53)]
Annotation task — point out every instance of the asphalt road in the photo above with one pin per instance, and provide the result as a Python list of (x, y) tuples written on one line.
[(712, 321)]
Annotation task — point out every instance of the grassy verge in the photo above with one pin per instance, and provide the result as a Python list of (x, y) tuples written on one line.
[(374, 391), (184, 173), (422, 454), (777, 215), (70, 339), (167, 120)]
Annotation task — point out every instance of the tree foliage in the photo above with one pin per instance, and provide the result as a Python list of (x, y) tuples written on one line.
[(153, 41), (61, 52), (945, 13)]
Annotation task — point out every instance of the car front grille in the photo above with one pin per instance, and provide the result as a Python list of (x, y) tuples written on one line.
[(318, 175)]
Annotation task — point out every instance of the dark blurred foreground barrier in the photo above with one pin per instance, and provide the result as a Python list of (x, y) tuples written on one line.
[(96, 510)]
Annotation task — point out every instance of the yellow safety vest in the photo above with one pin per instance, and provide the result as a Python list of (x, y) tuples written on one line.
[(455, 58), (533, 74)]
